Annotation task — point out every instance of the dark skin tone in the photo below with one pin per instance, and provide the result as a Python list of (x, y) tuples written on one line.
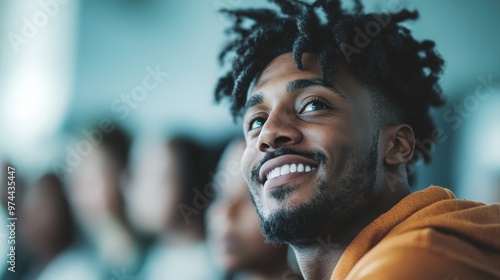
[(291, 108)]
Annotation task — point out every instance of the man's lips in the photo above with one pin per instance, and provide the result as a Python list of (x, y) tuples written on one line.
[(284, 165)]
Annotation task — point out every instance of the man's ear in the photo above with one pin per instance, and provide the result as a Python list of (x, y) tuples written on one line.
[(399, 145)]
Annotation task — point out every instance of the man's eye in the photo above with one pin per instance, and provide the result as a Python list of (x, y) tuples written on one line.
[(314, 106), (256, 123)]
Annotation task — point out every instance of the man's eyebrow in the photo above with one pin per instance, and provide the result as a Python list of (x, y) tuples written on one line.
[(292, 86), (305, 83), (253, 100)]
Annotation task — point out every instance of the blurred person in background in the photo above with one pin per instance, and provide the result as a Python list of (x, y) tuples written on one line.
[(46, 227), (233, 226), (166, 201), (108, 246)]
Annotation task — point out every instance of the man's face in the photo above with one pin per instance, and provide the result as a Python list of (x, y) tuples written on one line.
[(311, 155)]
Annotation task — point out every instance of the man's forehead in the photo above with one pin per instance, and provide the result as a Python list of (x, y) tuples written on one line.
[(284, 66)]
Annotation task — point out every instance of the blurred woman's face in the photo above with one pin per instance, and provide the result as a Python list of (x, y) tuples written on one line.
[(94, 189), (153, 192), (233, 223)]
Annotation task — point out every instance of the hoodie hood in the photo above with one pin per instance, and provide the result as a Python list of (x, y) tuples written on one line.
[(435, 208)]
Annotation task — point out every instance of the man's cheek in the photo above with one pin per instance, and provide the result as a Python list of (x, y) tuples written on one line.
[(256, 199), (245, 165)]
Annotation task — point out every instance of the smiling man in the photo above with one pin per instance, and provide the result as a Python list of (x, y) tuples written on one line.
[(332, 103)]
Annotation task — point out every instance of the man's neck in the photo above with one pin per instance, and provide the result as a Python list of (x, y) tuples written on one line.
[(318, 261)]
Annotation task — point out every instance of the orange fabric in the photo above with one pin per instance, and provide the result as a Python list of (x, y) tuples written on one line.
[(428, 235)]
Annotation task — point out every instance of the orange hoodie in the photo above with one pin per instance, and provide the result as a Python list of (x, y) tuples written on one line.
[(428, 235)]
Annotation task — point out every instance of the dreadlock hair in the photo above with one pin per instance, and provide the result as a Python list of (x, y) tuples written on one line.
[(401, 72)]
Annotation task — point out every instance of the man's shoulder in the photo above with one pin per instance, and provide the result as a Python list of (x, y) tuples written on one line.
[(427, 254)]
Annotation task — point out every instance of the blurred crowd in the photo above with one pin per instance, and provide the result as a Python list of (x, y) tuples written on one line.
[(168, 207)]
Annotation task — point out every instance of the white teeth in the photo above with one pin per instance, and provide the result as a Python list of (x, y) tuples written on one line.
[(288, 168), (276, 172), (300, 168), (285, 169)]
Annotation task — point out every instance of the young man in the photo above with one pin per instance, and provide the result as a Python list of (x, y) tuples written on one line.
[(332, 104)]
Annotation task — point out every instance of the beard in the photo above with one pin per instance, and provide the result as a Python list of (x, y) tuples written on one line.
[(333, 205)]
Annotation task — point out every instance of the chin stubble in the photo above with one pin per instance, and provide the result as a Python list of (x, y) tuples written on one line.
[(331, 207)]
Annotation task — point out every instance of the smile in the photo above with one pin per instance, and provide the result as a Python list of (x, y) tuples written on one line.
[(285, 167), (288, 168)]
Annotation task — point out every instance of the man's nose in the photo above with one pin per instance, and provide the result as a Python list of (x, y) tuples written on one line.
[(280, 129)]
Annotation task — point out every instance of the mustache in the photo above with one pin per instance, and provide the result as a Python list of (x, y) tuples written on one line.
[(315, 155)]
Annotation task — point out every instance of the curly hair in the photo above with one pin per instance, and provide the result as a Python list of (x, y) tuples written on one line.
[(401, 72)]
